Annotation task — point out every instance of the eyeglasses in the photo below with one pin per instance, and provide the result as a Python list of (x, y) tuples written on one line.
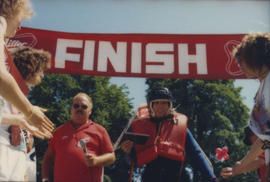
[(76, 106)]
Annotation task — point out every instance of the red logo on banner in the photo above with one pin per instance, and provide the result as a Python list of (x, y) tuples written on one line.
[(232, 66), (23, 39)]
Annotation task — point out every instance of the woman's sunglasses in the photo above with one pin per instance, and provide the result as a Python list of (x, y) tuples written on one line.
[(76, 106)]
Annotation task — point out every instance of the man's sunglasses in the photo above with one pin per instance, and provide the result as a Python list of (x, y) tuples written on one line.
[(76, 106)]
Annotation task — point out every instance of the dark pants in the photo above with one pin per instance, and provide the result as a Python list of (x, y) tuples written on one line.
[(162, 170)]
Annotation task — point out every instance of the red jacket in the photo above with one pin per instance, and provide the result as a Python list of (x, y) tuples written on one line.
[(168, 141)]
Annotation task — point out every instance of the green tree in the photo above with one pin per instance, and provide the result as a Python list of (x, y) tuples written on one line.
[(111, 107), (216, 115)]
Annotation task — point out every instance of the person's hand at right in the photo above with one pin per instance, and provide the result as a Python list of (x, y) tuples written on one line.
[(126, 146), (231, 171), (226, 172), (38, 119)]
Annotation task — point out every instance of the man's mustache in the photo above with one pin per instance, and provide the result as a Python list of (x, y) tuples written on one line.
[(79, 111)]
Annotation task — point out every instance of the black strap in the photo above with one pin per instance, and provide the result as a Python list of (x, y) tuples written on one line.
[(266, 144)]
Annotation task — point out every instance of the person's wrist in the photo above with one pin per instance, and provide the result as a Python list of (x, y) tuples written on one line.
[(97, 161), (45, 180), (237, 168), (20, 121), (29, 113)]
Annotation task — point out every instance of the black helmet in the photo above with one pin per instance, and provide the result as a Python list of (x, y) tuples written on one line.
[(159, 93)]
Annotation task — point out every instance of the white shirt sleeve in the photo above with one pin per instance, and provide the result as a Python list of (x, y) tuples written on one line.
[(266, 93), (2, 106)]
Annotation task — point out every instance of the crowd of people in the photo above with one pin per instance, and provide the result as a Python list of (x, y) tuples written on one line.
[(80, 149)]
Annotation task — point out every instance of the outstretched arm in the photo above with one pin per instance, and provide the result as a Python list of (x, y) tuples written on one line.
[(18, 120), (255, 151), (10, 90), (235, 170), (198, 158), (12, 93), (246, 164)]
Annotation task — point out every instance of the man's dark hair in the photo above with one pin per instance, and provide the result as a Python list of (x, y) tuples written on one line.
[(254, 49), (29, 61)]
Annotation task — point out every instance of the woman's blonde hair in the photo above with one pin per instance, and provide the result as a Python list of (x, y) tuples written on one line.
[(11, 8)]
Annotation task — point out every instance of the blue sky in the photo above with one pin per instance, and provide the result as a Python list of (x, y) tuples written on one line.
[(155, 16)]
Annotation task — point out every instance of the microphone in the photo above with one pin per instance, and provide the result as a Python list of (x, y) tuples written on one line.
[(82, 144)]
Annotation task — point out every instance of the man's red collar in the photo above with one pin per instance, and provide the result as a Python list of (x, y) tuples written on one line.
[(83, 126)]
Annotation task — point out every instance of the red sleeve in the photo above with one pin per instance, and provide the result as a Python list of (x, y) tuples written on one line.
[(262, 156), (106, 146)]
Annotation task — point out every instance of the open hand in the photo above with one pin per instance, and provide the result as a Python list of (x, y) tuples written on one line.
[(231, 171), (38, 119), (34, 131)]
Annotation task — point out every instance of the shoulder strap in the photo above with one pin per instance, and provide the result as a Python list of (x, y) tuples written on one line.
[(15, 73)]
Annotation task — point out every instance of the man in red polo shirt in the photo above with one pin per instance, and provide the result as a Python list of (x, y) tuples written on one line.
[(65, 151)]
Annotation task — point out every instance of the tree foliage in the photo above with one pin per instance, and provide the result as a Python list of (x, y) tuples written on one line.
[(111, 105), (216, 115)]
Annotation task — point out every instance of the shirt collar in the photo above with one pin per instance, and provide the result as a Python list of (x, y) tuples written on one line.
[(85, 125)]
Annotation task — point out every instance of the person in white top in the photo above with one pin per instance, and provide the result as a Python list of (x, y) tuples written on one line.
[(253, 56), (31, 64), (11, 15)]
